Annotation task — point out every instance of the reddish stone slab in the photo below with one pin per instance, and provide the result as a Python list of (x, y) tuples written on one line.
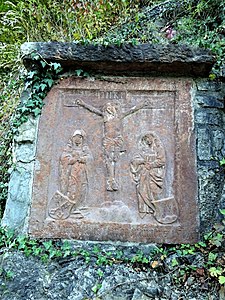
[(116, 161)]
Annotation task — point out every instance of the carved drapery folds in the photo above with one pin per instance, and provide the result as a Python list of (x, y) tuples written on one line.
[(115, 160), (148, 171), (73, 179)]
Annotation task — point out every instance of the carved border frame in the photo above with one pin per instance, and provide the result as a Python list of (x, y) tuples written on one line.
[(185, 180)]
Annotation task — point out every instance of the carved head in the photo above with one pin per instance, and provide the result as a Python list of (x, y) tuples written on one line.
[(78, 137), (111, 109), (148, 139)]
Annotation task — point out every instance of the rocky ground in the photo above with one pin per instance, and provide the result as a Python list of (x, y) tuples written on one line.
[(87, 277)]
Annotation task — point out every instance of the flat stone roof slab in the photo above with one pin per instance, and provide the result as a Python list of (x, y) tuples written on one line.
[(144, 59)]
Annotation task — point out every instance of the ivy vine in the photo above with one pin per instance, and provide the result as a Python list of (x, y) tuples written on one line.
[(35, 84), (182, 261), (38, 83)]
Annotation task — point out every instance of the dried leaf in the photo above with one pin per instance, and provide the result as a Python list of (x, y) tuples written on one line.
[(155, 264), (200, 271)]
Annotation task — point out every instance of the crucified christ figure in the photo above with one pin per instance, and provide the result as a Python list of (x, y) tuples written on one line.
[(113, 135)]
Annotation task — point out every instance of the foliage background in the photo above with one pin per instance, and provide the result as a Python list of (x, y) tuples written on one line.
[(196, 22)]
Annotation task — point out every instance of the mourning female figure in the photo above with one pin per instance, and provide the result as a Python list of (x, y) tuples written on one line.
[(73, 178), (148, 172)]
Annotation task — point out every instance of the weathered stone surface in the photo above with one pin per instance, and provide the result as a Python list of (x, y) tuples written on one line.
[(209, 85), (127, 59), (211, 182), (116, 161), (27, 131), (209, 124), (144, 60), (204, 145), (73, 279), (16, 210), (218, 141), (211, 116), (210, 101), (20, 185)]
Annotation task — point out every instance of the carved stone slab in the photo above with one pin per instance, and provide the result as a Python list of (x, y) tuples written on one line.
[(116, 161)]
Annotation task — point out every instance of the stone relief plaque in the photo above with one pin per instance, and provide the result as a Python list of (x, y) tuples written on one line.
[(116, 161)]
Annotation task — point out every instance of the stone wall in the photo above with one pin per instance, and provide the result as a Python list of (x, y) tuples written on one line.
[(21, 179), (209, 125), (143, 60)]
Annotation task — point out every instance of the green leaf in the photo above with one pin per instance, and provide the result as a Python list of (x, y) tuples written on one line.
[(49, 81), (217, 240), (9, 274), (31, 74), (207, 236), (96, 249), (100, 273), (174, 262), (79, 72), (37, 251), (43, 86), (221, 279), (36, 111), (212, 76), (35, 56), (67, 253), (145, 260), (222, 162), (201, 244), (95, 289), (215, 271), (86, 74), (212, 257), (47, 245), (56, 66), (43, 63), (222, 211)]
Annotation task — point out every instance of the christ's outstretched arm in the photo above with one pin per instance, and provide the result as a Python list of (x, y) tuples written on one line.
[(89, 107), (135, 108)]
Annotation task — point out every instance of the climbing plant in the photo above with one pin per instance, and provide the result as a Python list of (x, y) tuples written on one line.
[(35, 84), (202, 262)]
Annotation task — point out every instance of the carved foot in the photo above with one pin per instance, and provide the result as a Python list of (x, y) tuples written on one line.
[(115, 186), (109, 185), (112, 185), (142, 214)]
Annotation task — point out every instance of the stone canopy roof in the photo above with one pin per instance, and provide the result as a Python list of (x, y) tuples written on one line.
[(143, 59)]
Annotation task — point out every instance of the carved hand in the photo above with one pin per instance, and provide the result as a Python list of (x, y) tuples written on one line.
[(79, 102), (136, 178), (82, 160), (149, 165), (146, 103), (72, 161)]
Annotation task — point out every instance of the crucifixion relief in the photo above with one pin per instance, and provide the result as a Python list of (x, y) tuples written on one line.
[(112, 161), (113, 140)]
